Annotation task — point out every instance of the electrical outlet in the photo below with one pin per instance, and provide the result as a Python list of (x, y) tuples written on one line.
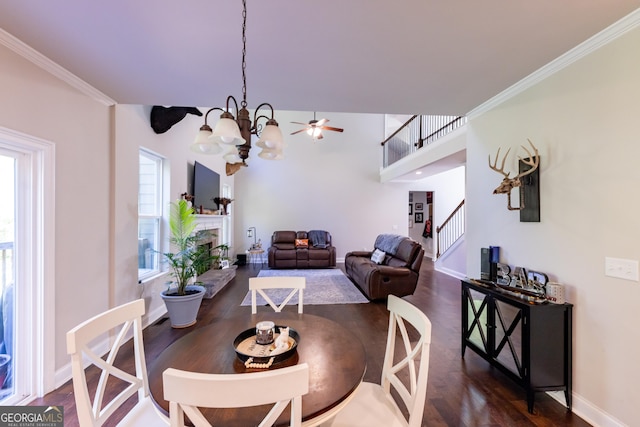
[(621, 268)]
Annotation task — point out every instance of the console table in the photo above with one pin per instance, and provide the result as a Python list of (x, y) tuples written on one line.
[(531, 343)]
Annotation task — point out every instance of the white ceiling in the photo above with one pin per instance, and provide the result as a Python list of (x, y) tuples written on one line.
[(357, 56)]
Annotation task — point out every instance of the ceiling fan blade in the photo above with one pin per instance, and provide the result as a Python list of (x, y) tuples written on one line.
[(298, 131), (332, 128), (321, 122), (303, 124)]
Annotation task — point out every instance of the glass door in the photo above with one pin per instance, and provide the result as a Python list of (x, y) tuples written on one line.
[(508, 338), (7, 273), (477, 311)]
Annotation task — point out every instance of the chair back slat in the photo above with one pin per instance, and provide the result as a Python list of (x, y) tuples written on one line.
[(261, 285), (408, 375), (189, 391), (126, 321)]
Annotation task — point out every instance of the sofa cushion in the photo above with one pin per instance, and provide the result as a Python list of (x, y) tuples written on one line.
[(284, 237), (378, 256), (406, 253)]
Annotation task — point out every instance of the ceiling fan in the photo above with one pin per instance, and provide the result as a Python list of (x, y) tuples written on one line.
[(315, 127)]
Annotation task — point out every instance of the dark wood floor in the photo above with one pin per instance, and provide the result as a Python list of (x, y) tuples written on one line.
[(461, 392)]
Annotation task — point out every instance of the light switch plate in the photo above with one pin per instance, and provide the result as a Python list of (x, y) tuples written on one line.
[(621, 268)]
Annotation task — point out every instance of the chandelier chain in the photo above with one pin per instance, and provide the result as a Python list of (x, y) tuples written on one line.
[(244, 54)]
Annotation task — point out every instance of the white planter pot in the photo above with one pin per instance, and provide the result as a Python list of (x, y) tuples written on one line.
[(183, 309)]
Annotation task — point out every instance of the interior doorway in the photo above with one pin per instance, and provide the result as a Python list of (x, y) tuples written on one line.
[(421, 220)]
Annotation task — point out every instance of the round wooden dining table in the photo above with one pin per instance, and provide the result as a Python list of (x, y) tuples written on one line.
[(335, 355)]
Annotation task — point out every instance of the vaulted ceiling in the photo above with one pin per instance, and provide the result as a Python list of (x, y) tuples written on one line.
[(359, 56)]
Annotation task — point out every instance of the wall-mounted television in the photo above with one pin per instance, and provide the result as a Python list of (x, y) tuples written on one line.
[(206, 187)]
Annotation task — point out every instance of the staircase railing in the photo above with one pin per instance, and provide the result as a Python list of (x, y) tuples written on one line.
[(451, 230), (417, 132)]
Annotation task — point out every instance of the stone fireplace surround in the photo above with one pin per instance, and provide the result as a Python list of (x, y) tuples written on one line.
[(212, 230)]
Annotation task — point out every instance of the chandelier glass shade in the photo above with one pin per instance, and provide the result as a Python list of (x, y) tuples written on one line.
[(237, 131)]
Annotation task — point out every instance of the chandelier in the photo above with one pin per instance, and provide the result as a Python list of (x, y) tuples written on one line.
[(236, 133)]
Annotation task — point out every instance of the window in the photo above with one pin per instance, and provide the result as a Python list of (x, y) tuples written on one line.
[(150, 203)]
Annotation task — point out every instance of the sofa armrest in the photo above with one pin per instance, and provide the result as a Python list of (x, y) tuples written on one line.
[(359, 253), (393, 271)]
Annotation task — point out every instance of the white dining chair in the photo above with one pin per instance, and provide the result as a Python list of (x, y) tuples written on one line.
[(260, 285), (124, 321), (186, 392), (373, 404)]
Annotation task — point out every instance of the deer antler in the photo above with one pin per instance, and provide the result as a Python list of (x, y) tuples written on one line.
[(532, 160), (494, 166), (509, 184)]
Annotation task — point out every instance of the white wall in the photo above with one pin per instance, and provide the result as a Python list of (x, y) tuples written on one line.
[(583, 120), (332, 184)]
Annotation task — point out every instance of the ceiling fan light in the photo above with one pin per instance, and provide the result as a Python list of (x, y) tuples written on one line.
[(227, 132), (271, 136), (314, 132)]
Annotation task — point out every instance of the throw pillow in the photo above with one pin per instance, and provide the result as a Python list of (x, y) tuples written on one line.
[(377, 256), (302, 243)]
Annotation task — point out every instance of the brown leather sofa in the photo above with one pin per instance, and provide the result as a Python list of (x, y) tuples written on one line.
[(288, 250), (397, 272)]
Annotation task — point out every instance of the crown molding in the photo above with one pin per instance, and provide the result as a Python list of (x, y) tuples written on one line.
[(51, 67), (614, 31)]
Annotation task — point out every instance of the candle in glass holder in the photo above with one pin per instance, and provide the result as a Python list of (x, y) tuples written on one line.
[(264, 332)]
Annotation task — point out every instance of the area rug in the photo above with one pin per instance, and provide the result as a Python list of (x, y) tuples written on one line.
[(324, 286)]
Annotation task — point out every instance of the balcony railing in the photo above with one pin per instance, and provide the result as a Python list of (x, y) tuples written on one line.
[(416, 133), (6, 263)]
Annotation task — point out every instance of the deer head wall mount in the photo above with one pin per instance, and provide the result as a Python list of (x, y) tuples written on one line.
[(508, 184)]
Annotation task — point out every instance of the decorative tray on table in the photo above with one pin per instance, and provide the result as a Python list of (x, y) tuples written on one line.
[(260, 356)]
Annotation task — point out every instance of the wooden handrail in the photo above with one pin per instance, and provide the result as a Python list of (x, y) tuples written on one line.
[(452, 236), (398, 130), (446, 221)]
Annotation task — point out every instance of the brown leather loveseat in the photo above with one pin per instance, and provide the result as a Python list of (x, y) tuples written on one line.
[(301, 249), (395, 272)]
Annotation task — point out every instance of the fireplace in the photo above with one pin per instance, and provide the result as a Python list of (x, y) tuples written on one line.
[(211, 231)]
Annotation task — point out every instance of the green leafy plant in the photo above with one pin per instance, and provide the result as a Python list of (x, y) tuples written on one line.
[(189, 258)]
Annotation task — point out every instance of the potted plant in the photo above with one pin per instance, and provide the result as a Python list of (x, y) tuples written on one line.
[(182, 298)]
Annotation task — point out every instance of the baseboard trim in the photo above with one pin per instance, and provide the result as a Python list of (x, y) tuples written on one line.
[(587, 410)]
